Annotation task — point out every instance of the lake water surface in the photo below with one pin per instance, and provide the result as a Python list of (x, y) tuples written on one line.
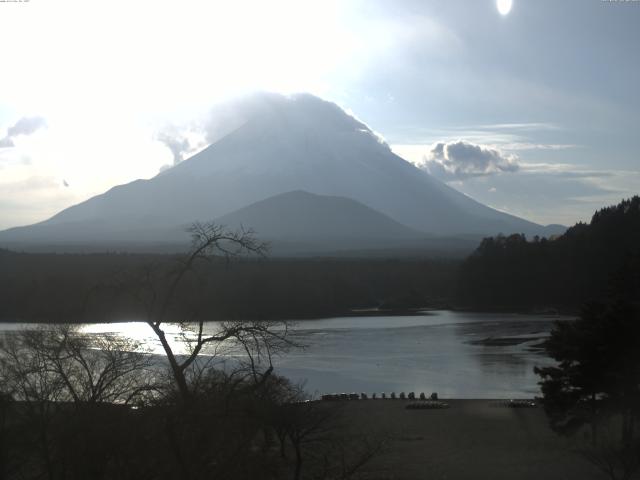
[(457, 354), (444, 352)]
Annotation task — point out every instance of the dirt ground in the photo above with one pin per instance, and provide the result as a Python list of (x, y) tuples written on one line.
[(469, 440)]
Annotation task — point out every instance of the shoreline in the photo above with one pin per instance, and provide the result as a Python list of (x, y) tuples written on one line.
[(355, 313)]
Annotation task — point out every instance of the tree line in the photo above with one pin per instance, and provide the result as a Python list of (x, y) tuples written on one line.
[(79, 287), (586, 263), (592, 393)]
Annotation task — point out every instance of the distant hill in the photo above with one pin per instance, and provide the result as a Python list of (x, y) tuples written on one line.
[(284, 144), (304, 221), (590, 261), (307, 216)]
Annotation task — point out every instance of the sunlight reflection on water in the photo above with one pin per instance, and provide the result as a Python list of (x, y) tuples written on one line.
[(441, 351)]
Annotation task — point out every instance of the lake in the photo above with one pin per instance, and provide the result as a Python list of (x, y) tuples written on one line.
[(444, 351), (456, 354)]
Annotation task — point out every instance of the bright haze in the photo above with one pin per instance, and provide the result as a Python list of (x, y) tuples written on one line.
[(528, 107)]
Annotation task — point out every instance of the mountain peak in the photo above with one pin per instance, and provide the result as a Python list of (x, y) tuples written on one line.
[(265, 113), (301, 109), (279, 133)]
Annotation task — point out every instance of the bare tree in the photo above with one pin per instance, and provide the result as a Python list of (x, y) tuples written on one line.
[(175, 295), (51, 372), (60, 364)]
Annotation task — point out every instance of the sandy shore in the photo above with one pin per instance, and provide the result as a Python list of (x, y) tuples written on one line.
[(469, 440)]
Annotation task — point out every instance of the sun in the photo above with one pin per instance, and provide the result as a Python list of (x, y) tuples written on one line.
[(504, 6)]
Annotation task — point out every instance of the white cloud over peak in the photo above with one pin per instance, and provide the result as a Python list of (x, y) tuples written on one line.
[(460, 160)]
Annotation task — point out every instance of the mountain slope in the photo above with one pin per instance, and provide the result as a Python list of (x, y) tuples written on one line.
[(285, 144)]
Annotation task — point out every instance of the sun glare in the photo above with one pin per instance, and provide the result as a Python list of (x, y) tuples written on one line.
[(197, 54), (504, 6), (189, 58)]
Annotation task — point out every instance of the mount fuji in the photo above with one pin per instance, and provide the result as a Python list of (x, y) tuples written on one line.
[(331, 166)]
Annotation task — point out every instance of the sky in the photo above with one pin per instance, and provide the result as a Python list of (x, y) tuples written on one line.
[(535, 112)]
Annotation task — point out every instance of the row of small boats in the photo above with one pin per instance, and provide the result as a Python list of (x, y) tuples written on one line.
[(421, 402), (374, 396)]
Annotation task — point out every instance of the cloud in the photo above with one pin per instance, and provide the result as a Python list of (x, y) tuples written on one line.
[(225, 117), (526, 126), (537, 146), (565, 170), (550, 192), (297, 108), (506, 137), (221, 120), (461, 160), (181, 141), (24, 126), (178, 144)]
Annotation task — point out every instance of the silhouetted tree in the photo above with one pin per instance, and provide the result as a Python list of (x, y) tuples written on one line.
[(178, 293), (597, 379)]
